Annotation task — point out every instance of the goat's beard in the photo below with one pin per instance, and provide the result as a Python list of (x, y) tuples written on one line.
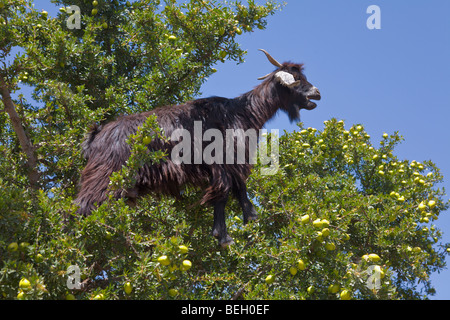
[(294, 113)]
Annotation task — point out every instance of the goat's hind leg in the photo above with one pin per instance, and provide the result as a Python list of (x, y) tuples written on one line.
[(219, 228), (248, 210)]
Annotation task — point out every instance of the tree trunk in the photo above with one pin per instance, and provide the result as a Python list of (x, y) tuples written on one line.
[(25, 142)]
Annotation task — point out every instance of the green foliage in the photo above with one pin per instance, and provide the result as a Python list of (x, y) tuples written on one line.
[(337, 213)]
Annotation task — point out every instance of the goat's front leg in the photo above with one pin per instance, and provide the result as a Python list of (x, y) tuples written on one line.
[(219, 228), (248, 210)]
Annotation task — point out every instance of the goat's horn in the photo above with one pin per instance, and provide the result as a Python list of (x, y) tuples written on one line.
[(271, 59)]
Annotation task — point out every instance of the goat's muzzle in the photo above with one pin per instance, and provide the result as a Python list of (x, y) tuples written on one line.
[(314, 95)]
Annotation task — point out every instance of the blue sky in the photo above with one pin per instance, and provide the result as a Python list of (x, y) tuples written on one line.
[(396, 78)]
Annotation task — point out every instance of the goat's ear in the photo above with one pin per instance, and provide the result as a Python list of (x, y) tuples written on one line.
[(286, 79), (265, 77)]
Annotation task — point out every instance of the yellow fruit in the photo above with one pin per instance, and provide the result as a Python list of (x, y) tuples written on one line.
[(172, 37), (108, 235), (431, 204), (238, 31), (317, 223), (164, 260), (325, 223), (325, 232), (39, 258), (127, 287), (94, 11), (186, 265), (374, 257), (422, 206), (13, 247), (173, 292), (20, 295), (305, 218), (70, 296), (24, 284), (146, 140), (183, 249), (301, 264), (310, 289), (319, 236), (333, 288), (99, 297), (293, 271), (223, 54), (346, 295), (270, 279), (94, 3), (330, 246)]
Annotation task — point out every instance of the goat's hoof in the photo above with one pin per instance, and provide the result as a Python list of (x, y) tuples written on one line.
[(228, 241)]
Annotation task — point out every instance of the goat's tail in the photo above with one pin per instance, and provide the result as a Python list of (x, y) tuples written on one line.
[(90, 136)]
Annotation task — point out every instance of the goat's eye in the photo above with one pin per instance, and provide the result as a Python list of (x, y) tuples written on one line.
[(295, 69)]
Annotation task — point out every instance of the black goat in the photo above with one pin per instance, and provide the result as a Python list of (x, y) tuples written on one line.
[(107, 151)]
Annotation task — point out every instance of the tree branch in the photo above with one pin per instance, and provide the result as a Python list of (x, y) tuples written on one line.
[(24, 140)]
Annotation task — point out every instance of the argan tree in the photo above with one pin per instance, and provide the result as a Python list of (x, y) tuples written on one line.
[(341, 218)]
